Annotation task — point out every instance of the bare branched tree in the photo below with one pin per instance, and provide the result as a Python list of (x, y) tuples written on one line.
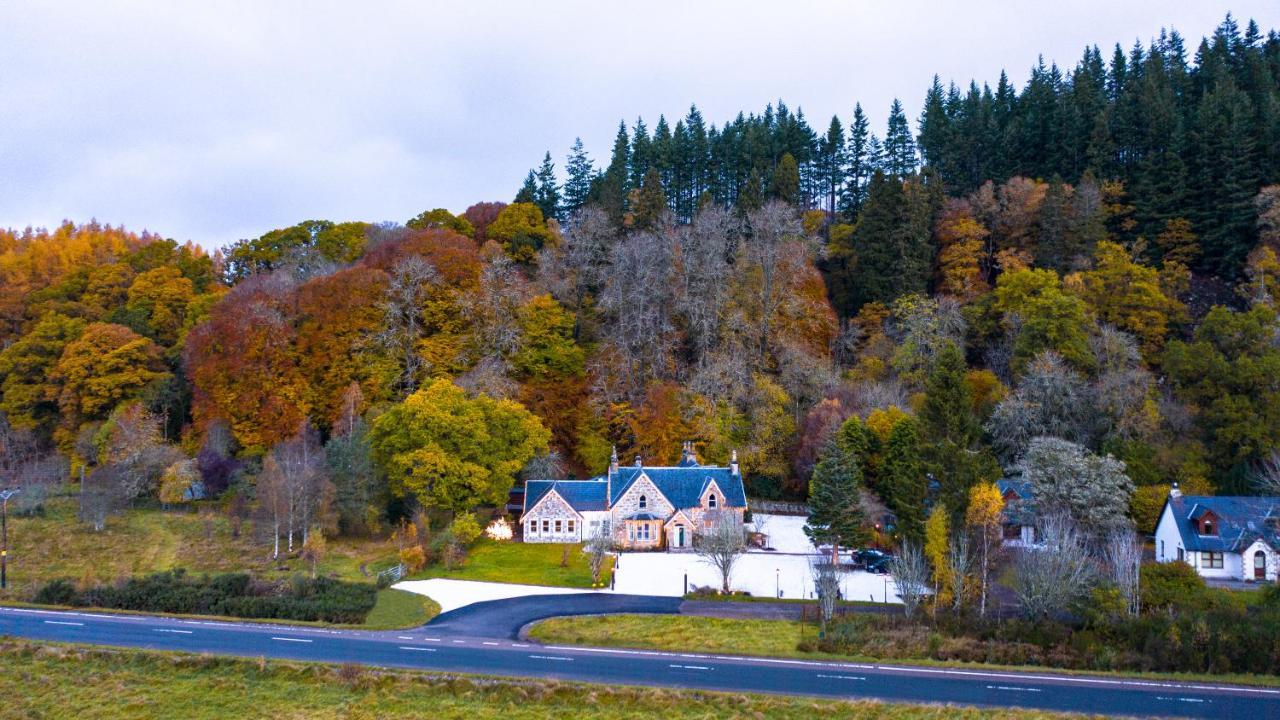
[(1048, 579), (826, 582), (402, 322), (598, 548), (1267, 477), (721, 546), (910, 573), (961, 558), (1123, 556), (637, 299)]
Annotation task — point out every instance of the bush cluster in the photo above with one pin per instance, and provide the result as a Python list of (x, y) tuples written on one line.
[(1222, 638), (232, 594)]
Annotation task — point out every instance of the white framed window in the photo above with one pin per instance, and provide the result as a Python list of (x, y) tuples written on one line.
[(570, 526), (531, 527), (644, 502), (546, 526), (1212, 560), (558, 527), (712, 500)]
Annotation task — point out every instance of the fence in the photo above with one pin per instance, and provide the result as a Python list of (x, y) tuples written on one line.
[(392, 574)]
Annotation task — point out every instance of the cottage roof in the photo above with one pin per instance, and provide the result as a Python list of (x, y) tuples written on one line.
[(1241, 520), (1021, 509), (683, 486), (582, 495)]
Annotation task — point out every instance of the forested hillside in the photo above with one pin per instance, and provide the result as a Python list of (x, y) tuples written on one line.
[(1091, 257)]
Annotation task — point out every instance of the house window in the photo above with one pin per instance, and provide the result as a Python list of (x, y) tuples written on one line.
[(1206, 527), (1211, 560), (644, 531), (644, 502), (712, 500), (531, 527), (546, 526), (570, 526), (557, 527), (1162, 549), (1182, 554)]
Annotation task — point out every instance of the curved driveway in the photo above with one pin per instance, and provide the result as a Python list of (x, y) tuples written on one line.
[(505, 618)]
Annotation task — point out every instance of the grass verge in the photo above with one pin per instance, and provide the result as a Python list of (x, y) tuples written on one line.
[(776, 638), (523, 564), (44, 680)]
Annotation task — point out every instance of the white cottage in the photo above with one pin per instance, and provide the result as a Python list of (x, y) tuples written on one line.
[(640, 508), (1229, 538)]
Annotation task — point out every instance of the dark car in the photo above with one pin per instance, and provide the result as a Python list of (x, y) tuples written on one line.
[(866, 556)]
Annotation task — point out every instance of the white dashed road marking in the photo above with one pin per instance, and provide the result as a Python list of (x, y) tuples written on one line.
[(691, 667), (1013, 689), (285, 639), (421, 649), (59, 622), (842, 677), (551, 657), (168, 630)]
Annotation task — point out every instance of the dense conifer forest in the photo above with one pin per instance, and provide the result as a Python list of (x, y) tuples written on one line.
[(1078, 265)]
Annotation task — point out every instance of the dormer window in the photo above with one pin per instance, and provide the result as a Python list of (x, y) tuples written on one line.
[(1207, 527), (712, 500), (644, 502)]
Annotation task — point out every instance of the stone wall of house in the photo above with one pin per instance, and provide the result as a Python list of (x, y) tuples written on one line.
[(629, 504), (540, 523)]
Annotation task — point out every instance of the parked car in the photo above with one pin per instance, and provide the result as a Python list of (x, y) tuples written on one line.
[(864, 557)]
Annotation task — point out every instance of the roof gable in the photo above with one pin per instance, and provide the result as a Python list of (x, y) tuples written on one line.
[(581, 495), (1240, 520), (683, 486)]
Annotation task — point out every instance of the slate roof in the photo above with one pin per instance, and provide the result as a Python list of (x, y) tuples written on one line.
[(582, 495), (683, 486), (1241, 520), (1020, 511)]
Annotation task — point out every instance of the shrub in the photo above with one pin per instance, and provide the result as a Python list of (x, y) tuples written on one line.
[(234, 594), (465, 528), (1175, 586), (413, 558)]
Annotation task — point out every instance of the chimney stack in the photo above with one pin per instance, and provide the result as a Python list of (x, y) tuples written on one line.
[(638, 463), (733, 462), (613, 461), (1175, 491)]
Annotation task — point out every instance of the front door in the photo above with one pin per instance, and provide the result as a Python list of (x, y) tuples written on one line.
[(679, 536), (1259, 565)]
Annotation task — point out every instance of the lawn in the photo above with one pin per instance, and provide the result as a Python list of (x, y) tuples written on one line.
[(521, 563), (141, 541), (400, 609), (774, 638), (42, 680)]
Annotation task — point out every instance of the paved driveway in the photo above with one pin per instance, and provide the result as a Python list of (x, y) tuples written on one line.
[(505, 618), (763, 574), (454, 594)]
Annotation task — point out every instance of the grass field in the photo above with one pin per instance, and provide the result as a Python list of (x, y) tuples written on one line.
[(141, 541), (400, 609), (775, 638), (521, 563), (40, 680)]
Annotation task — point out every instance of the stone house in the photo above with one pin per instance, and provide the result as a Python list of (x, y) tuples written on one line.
[(639, 507), (1224, 537)]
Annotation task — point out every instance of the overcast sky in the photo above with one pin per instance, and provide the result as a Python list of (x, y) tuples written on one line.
[(217, 121)]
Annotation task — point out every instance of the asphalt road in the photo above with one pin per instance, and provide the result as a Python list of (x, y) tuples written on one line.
[(440, 648)]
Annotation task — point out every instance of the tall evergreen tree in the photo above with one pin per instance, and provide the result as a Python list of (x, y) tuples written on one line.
[(614, 186), (903, 477), (528, 192), (899, 146), (651, 203), (860, 166), (786, 180), (547, 196), (581, 173), (830, 170), (835, 510)]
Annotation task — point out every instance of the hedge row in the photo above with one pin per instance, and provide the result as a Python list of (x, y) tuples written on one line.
[(232, 594)]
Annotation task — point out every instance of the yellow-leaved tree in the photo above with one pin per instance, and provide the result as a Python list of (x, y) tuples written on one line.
[(986, 506)]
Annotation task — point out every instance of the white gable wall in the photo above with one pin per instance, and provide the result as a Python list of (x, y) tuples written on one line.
[(1168, 539), (552, 519)]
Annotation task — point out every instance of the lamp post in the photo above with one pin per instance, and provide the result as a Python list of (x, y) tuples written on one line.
[(686, 581), (777, 582), (4, 534)]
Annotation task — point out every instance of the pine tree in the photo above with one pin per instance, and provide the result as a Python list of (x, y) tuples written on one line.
[(903, 477), (947, 412), (935, 130), (899, 146), (528, 192), (651, 204), (581, 173), (859, 170), (786, 180), (612, 190), (835, 511), (1054, 248), (547, 196), (830, 163)]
